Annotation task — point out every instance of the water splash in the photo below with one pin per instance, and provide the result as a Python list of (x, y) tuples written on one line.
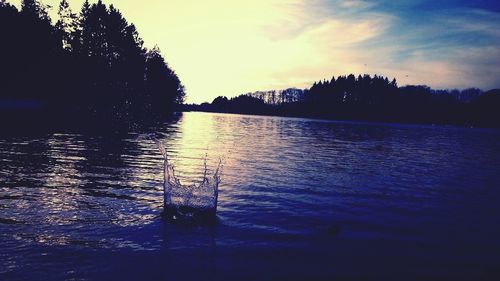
[(196, 201)]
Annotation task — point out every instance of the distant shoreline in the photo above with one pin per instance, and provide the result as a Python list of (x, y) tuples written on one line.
[(367, 98)]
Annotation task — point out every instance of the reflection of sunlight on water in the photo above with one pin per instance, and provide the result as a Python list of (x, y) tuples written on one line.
[(132, 219), (204, 137), (217, 136), (144, 174), (59, 239), (62, 180), (190, 149)]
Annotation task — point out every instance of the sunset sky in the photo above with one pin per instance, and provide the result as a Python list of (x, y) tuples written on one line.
[(229, 47)]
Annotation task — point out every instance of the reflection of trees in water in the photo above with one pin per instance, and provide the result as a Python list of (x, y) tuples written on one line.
[(23, 156), (62, 178)]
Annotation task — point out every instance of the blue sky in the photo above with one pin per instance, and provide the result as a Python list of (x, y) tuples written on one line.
[(229, 47), (446, 44)]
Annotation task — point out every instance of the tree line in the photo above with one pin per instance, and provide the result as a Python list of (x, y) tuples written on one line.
[(369, 98), (89, 66)]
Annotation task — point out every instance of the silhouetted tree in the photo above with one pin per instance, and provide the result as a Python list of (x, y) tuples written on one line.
[(163, 87), (91, 66), (35, 9), (66, 25), (11, 40)]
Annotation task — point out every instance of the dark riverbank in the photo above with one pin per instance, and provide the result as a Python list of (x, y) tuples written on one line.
[(474, 115), (409, 104), (40, 119)]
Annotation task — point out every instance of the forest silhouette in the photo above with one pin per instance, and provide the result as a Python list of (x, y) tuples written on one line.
[(88, 67), (92, 68), (370, 99)]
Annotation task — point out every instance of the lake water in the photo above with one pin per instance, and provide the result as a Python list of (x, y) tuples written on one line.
[(299, 200)]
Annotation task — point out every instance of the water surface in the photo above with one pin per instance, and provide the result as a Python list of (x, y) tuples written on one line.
[(299, 199)]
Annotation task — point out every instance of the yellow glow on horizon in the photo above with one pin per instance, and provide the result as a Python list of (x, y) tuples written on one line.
[(231, 47), (224, 47)]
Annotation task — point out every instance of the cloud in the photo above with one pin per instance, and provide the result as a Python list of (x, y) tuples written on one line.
[(459, 68), (480, 22), (354, 4)]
